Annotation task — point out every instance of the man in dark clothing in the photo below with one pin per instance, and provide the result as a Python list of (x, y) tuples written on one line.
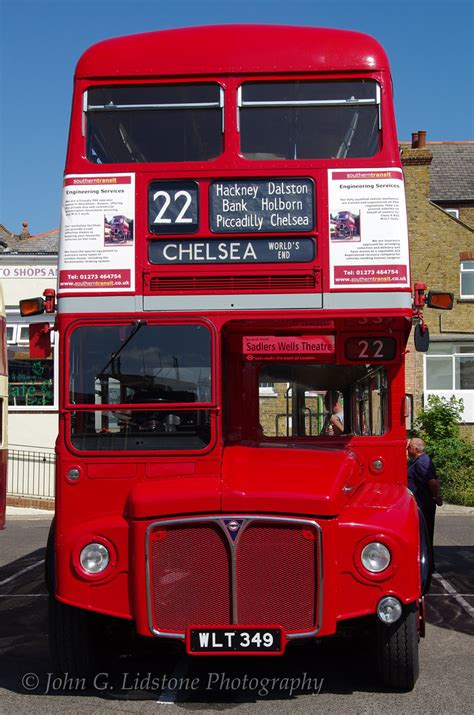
[(423, 482)]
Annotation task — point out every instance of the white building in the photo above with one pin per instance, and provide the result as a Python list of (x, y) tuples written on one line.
[(28, 265)]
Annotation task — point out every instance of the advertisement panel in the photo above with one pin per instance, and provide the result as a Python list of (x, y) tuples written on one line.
[(368, 229), (97, 251)]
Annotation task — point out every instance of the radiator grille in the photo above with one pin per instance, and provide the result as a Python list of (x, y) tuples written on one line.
[(231, 284), (275, 577), (190, 577)]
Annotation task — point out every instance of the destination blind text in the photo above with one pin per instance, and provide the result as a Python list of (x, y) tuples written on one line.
[(259, 250), (262, 205)]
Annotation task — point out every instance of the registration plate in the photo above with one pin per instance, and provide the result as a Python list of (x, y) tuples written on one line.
[(235, 640)]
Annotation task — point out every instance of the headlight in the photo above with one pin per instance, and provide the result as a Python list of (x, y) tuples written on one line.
[(375, 557), (94, 558)]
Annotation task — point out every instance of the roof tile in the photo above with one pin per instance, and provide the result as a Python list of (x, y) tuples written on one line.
[(452, 171), (43, 243)]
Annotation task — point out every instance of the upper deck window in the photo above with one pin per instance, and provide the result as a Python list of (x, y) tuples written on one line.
[(309, 120), (154, 123)]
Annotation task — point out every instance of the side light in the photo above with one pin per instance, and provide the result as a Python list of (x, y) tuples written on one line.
[(377, 465), (94, 558), (375, 557), (32, 306), (440, 300), (389, 610), (74, 474)]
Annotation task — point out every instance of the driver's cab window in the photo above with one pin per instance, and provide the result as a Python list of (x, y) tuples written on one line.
[(321, 400)]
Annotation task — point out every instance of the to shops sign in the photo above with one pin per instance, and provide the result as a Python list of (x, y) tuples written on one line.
[(28, 272)]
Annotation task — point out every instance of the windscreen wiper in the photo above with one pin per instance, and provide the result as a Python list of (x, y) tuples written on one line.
[(346, 143), (137, 324)]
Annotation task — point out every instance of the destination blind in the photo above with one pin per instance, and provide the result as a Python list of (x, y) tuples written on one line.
[(237, 250), (261, 205)]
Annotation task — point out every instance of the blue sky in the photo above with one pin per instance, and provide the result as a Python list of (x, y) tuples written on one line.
[(429, 44)]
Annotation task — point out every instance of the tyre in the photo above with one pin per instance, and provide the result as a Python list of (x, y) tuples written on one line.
[(74, 639), (397, 650), (426, 555), (49, 562)]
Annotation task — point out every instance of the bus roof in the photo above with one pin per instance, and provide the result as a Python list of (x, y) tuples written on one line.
[(236, 49)]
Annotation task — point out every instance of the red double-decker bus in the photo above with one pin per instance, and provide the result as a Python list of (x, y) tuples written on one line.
[(231, 466)]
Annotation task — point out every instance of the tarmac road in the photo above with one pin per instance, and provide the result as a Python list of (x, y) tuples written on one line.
[(326, 678)]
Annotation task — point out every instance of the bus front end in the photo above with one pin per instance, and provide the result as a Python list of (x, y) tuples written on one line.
[(213, 504), (234, 306)]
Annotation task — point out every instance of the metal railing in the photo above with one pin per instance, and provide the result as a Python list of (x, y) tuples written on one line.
[(31, 473)]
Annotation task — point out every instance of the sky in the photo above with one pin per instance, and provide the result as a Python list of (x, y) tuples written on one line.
[(429, 44)]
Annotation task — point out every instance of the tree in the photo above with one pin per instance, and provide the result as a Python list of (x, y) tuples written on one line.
[(440, 418)]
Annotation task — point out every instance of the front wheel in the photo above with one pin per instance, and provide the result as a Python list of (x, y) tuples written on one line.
[(397, 650), (74, 639)]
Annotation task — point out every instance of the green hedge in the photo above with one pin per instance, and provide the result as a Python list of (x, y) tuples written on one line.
[(438, 425), (454, 462)]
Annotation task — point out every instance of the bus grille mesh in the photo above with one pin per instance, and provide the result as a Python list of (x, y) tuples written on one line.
[(190, 577), (276, 576)]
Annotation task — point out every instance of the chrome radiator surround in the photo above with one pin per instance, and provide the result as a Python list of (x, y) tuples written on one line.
[(222, 520)]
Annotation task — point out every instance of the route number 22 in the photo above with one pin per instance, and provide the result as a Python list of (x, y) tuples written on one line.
[(173, 207), (370, 348), (181, 217), (364, 349)]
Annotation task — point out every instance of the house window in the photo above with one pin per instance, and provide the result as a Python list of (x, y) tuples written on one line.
[(23, 334), (453, 212), (267, 389), (464, 368), (19, 333), (31, 382), (467, 279), (449, 370), (11, 334)]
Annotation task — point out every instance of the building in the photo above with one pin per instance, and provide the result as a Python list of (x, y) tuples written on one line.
[(28, 265), (439, 180)]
